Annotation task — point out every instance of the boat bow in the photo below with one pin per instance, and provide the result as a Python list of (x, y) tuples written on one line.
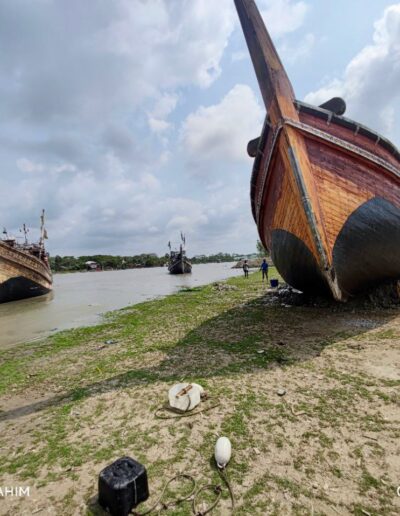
[(285, 139)]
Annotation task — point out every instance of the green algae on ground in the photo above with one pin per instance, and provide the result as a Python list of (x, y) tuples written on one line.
[(72, 403)]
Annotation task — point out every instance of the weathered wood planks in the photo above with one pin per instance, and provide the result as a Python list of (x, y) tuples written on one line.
[(318, 177)]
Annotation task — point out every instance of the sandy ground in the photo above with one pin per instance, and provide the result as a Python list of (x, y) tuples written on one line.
[(330, 445)]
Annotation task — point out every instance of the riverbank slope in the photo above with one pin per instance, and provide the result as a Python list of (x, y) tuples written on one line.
[(78, 400)]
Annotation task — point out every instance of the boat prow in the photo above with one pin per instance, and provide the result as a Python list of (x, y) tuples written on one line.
[(24, 269), (325, 190)]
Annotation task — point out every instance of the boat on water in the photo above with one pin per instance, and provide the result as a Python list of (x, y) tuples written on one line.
[(24, 267), (178, 262), (325, 190)]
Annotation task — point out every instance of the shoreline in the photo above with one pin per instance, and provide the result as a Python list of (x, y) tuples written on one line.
[(74, 402), (80, 300)]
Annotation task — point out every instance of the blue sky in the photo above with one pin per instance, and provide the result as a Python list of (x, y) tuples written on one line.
[(128, 120)]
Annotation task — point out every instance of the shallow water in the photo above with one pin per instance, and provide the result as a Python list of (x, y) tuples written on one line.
[(79, 299)]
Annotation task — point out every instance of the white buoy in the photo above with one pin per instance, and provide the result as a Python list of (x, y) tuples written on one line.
[(198, 386), (223, 451), (184, 396)]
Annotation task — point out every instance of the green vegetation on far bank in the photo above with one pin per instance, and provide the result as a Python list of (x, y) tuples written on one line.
[(109, 262), (76, 401)]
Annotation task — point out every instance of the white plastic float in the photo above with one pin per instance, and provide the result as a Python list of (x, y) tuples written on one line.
[(223, 452), (185, 396)]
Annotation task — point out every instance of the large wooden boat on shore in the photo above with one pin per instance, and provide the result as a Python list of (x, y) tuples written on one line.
[(325, 190), (178, 262), (24, 267)]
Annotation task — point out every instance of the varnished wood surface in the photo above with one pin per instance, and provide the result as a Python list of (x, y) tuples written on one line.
[(344, 183), (357, 139), (283, 207), (15, 263), (305, 186), (276, 89)]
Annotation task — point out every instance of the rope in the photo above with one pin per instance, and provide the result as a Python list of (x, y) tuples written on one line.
[(224, 477), (217, 489), (179, 413), (210, 487), (193, 495), (165, 505)]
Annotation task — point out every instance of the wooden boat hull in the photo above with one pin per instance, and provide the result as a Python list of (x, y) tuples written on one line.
[(356, 190), (22, 275), (180, 267), (325, 190)]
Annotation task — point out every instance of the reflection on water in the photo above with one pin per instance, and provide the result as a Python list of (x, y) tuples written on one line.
[(79, 299)]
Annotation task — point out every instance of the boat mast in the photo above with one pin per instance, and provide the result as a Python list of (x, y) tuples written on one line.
[(276, 89), (278, 96), (42, 234), (182, 252), (25, 231)]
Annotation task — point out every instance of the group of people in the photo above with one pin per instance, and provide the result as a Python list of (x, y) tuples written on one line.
[(263, 268)]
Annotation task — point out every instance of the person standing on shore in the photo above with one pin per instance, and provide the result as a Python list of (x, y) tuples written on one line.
[(264, 269), (246, 269)]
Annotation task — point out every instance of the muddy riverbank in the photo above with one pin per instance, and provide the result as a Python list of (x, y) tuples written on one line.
[(78, 400), (80, 299)]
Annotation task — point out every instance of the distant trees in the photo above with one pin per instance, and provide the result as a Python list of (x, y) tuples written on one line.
[(109, 262), (56, 265), (214, 258), (261, 251), (106, 262)]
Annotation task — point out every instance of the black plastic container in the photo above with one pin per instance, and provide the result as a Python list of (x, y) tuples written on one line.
[(122, 486)]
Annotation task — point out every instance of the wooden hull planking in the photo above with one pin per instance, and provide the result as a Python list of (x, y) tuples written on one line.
[(22, 275), (359, 205), (325, 190)]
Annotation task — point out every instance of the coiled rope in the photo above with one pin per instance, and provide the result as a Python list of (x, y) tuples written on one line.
[(195, 492), (178, 413), (161, 505)]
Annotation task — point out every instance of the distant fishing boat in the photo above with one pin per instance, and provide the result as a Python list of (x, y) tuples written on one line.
[(24, 267), (325, 190), (178, 263)]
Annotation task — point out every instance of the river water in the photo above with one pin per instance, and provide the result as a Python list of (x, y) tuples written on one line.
[(79, 299)]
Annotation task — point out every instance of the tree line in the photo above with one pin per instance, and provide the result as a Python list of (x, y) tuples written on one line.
[(109, 262)]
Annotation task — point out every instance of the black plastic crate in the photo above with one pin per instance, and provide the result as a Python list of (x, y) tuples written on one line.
[(122, 486)]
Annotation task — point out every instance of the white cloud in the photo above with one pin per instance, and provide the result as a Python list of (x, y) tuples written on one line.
[(149, 182), (157, 125), (79, 115), (284, 16), (163, 107), (303, 47), (26, 165), (370, 83), (222, 131), (65, 167), (177, 42), (122, 53), (239, 56), (29, 166)]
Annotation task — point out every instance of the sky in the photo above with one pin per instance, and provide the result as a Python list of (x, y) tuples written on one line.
[(128, 120)]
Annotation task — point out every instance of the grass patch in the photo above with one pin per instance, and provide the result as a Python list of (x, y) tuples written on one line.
[(89, 402)]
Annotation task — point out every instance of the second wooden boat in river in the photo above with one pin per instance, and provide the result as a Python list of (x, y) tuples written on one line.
[(178, 262)]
